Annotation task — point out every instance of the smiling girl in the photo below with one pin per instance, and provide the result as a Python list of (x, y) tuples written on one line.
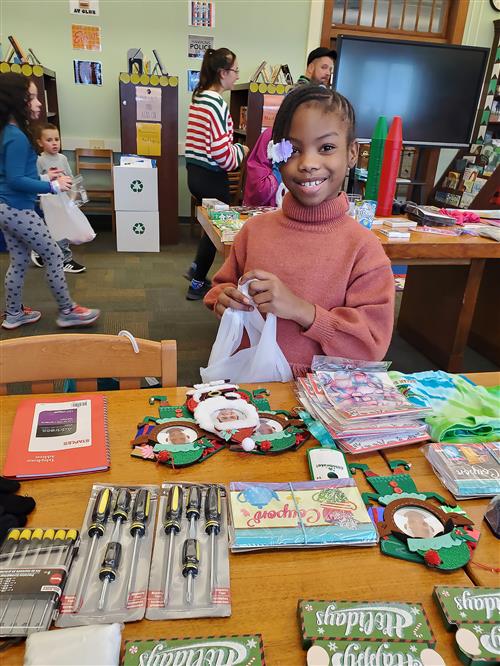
[(324, 276)]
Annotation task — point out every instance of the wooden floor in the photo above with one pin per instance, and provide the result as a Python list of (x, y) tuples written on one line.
[(145, 294)]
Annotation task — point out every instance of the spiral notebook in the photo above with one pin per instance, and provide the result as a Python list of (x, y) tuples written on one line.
[(58, 436)]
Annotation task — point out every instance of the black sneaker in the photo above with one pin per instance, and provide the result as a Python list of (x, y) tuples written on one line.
[(36, 259), (73, 266), (197, 294)]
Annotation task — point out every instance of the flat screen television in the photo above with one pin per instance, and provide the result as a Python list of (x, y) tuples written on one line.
[(435, 88)]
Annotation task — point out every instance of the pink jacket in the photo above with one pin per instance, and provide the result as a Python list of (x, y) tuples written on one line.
[(260, 184)]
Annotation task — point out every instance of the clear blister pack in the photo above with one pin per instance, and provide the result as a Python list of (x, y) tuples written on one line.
[(34, 564), (190, 567), (108, 581)]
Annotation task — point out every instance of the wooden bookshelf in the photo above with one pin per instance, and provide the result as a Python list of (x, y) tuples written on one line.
[(262, 101), (167, 160), (45, 81)]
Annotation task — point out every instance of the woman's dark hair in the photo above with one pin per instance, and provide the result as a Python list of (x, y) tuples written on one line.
[(330, 100), (213, 62), (14, 98)]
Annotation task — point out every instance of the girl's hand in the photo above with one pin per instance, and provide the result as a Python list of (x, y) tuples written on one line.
[(246, 150), (230, 297), (270, 294), (64, 183), (54, 173)]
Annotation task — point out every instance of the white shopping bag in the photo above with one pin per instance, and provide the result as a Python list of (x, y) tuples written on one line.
[(65, 220), (263, 361)]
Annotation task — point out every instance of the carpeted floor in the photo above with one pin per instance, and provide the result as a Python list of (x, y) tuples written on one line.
[(145, 294)]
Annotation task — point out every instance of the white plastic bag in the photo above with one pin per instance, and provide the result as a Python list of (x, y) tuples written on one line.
[(263, 361), (65, 220)]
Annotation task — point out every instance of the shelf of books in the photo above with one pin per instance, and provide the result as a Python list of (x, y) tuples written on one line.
[(472, 180), (253, 107), (45, 81)]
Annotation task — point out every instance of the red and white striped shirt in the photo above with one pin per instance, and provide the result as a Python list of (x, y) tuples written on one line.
[(209, 137)]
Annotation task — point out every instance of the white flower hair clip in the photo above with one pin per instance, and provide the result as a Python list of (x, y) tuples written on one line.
[(279, 153)]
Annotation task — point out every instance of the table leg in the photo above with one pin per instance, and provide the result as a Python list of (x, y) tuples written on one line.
[(485, 329), (437, 308)]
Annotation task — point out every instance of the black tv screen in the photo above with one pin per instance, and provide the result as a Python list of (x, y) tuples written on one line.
[(434, 88)]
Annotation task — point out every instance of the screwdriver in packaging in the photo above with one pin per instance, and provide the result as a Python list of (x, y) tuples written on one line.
[(14, 544), (71, 537), (30, 554), (112, 556), (193, 508), (140, 516), (171, 525), (190, 562), (213, 504), (44, 551), (96, 529)]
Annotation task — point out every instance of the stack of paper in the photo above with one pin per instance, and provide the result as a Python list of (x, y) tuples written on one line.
[(228, 228), (362, 409), (467, 470), (302, 514)]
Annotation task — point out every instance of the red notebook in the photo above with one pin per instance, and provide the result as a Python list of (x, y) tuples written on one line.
[(58, 436)]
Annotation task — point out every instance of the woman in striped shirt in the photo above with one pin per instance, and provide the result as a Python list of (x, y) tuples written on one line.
[(210, 151)]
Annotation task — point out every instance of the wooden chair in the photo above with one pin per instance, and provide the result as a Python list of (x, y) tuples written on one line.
[(44, 359), (101, 199)]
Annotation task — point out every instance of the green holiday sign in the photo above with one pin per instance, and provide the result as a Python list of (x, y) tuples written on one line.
[(364, 620), (217, 650), (468, 604), (370, 653)]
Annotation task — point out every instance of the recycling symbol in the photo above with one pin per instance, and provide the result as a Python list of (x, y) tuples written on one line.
[(138, 228), (136, 186)]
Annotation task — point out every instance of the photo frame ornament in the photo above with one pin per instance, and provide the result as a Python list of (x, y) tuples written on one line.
[(412, 526)]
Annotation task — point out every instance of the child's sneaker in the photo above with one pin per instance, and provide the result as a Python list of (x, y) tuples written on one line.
[(26, 316), (197, 291), (73, 266), (36, 259), (77, 316)]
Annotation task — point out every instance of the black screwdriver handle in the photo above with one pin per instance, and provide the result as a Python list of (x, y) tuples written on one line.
[(193, 504), (122, 504), (173, 512), (213, 509), (140, 512), (111, 561), (100, 513), (190, 557)]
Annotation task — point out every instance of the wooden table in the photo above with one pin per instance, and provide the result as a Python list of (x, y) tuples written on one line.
[(265, 586), (445, 300)]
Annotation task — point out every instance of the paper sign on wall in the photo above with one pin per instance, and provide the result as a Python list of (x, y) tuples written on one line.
[(198, 44), (84, 7), (202, 13), (86, 37), (148, 102), (148, 138), (193, 78)]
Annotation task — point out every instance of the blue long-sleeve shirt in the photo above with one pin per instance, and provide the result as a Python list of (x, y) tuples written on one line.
[(19, 180)]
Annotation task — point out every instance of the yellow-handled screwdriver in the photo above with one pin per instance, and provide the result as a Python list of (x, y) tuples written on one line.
[(172, 526), (140, 517), (9, 547), (30, 552)]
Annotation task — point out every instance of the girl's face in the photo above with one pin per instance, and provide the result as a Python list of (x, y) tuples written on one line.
[(317, 168), (228, 77), (34, 104)]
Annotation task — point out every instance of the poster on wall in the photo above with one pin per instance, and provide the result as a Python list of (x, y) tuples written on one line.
[(148, 137), (84, 7), (87, 72), (198, 44), (193, 78), (148, 103), (201, 13), (86, 37)]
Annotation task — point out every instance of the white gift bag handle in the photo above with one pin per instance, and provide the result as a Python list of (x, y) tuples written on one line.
[(263, 361)]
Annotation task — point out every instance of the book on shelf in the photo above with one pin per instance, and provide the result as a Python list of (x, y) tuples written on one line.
[(58, 436)]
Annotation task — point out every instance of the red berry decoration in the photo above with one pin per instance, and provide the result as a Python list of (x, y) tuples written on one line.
[(432, 558), (163, 457), (265, 445)]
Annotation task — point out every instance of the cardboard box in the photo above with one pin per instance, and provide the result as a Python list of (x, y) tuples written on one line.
[(137, 231), (136, 188)]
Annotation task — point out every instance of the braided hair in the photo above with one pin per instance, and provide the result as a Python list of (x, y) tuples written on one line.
[(311, 94), (14, 98), (213, 61)]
